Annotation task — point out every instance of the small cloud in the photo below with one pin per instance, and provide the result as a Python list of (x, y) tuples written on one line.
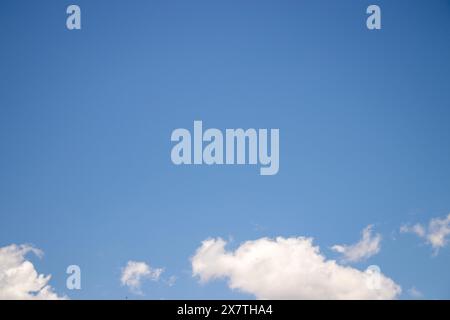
[(368, 246), (414, 293), (134, 273), (171, 281), (19, 280), (435, 234)]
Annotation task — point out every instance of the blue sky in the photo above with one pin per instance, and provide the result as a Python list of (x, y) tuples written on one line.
[(86, 118)]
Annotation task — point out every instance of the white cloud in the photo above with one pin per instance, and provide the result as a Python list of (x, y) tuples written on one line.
[(435, 234), (135, 272), (368, 246), (19, 280), (287, 268)]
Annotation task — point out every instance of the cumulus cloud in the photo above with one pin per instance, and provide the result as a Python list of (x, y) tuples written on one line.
[(435, 234), (368, 246), (134, 273), (19, 280), (287, 268)]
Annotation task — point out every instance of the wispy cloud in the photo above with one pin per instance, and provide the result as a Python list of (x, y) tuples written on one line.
[(435, 234), (369, 245), (415, 293), (171, 281)]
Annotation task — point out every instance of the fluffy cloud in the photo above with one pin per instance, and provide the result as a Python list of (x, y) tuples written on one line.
[(435, 234), (135, 272), (368, 246), (18, 277), (287, 268)]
